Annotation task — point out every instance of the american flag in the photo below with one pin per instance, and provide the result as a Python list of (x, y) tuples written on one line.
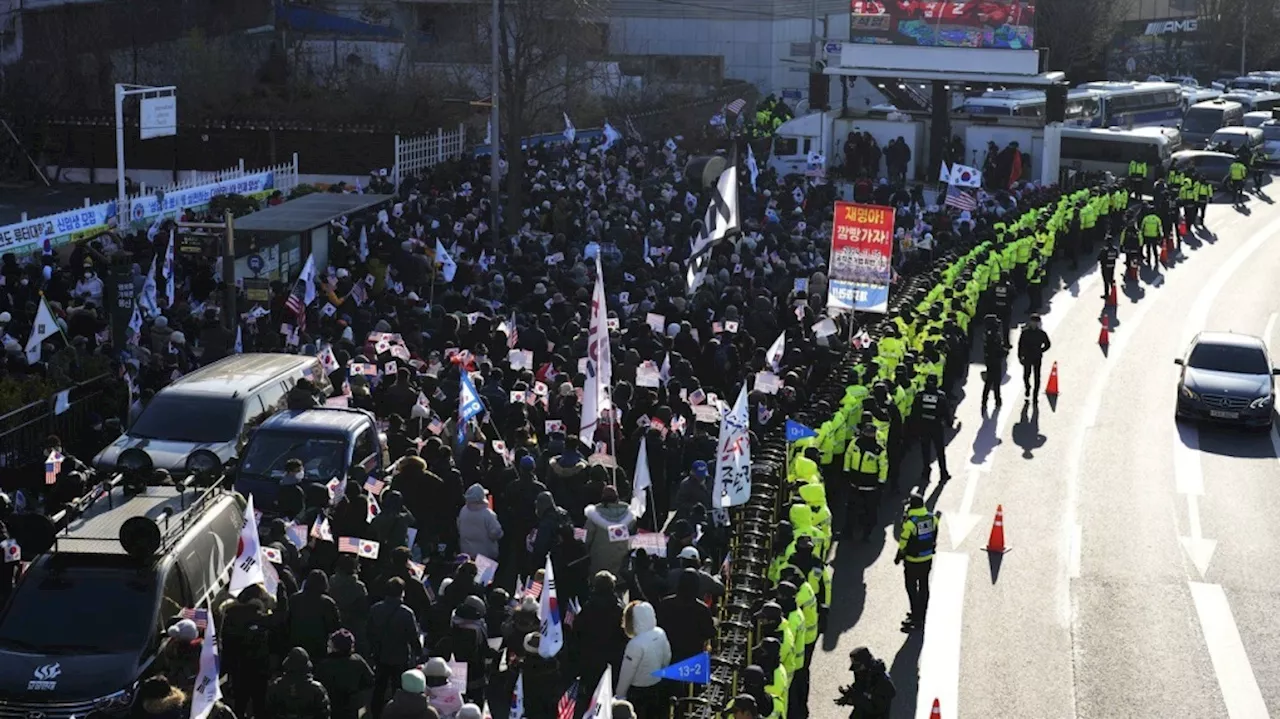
[(736, 106), (534, 590), (349, 545), (373, 485), (960, 200), (199, 616), (568, 703), (52, 466), (297, 296)]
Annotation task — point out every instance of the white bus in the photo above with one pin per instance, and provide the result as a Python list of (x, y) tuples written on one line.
[(1266, 81), (1111, 150), (1137, 104), (1254, 100), (1081, 111)]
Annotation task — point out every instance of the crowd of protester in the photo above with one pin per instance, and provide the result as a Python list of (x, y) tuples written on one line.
[(393, 633)]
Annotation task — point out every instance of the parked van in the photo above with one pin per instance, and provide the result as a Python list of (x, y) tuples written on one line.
[(1254, 100), (199, 423), (1111, 150), (1257, 119), (1232, 139), (1203, 119)]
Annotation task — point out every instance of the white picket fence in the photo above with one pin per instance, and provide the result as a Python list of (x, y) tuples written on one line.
[(419, 153), (285, 179)]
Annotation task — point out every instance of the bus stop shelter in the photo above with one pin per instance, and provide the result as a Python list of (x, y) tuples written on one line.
[(273, 244)]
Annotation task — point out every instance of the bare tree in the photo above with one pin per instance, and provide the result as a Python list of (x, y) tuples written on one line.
[(546, 48), (1076, 32)]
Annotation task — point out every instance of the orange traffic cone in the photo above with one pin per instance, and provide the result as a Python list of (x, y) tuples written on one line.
[(1182, 228), (1164, 252), (1104, 337), (996, 542), (936, 713), (1051, 389), (1113, 300)]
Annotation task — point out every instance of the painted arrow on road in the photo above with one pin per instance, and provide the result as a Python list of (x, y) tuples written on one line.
[(1188, 478)]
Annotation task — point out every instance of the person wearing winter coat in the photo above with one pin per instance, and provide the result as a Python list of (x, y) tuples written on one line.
[(352, 598), (598, 629), (543, 685), (246, 647), (346, 676), (394, 639), (478, 528), (647, 652), (157, 699), (313, 615), (872, 692), (608, 552), (430, 498), (551, 518), (685, 618), (467, 641), (180, 658), (410, 700), (295, 694), (443, 696), (391, 527)]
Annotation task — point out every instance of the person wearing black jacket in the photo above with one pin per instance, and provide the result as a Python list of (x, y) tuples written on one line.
[(1107, 258), (1033, 342), (395, 641), (295, 694), (872, 692), (995, 348)]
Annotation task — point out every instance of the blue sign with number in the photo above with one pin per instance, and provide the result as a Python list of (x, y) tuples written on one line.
[(694, 670)]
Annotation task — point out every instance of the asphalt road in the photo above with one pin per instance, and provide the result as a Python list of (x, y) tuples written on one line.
[(1139, 581)]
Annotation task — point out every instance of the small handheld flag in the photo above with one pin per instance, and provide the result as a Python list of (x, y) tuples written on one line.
[(797, 431)]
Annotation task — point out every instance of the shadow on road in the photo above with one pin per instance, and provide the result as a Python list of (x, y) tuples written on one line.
[(906, 675)]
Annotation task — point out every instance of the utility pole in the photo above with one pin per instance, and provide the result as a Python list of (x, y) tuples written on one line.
[(1244, 35), (495, 167)]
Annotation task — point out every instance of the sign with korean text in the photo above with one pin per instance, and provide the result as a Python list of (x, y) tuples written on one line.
[(988, 24), (145, 209), (58, 229), (861, 258)]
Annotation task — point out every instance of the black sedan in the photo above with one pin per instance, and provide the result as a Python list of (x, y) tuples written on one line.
[(1227, 377)]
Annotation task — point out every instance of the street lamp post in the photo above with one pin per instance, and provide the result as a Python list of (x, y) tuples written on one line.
[(158, 118)]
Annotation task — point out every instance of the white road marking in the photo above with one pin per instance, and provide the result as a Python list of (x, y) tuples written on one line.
[(1188, 477), (1268, 332), (1199, 549), (940, 656), (1073, 552), (964, 520), (1230, 663)]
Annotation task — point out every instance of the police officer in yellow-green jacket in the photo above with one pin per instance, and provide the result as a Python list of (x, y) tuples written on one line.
[(1237, 172), (866, 463), (1153, 233), (814, 494), (917, 543)]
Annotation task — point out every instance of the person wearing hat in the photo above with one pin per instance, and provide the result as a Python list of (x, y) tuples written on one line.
[(443, 696), (744, 706), (916, 546), (295, 694), (694, 489), (158, 699), (551, 518), (479, 530), (685, 618), (867, 466), (872, 692), (517, 509), (995, 348), (303, 395), (467, 641), (1033, 342), (346, 676), (410, 700)]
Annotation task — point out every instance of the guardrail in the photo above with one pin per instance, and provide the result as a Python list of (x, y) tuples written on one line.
[(22, 431)]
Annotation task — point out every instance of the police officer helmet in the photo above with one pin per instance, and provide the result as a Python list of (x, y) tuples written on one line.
[(786, 589), (931, 381), (991, 320), (915, 500), (868, 429)]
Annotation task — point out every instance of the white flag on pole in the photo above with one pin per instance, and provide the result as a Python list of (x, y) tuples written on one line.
[(601, 706), (168, 270), (776, 351), (752, 167), (595, 398), (640, 487), (248, 567), (448, 267), (207, 691), (44, 327), (733, 457), (549, 616), (570, 134)]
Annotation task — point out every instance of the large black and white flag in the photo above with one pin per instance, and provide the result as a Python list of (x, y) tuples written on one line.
[(720, 221)]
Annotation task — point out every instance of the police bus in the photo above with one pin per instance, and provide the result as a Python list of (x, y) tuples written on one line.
[(1254, 100), (1081, 110), (1137, 104), (1111, 149)]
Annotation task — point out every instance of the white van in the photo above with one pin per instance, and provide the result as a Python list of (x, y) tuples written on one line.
[(1111, 150)]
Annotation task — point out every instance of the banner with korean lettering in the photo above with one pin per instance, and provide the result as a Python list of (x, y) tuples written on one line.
[(63, 227), (987, 24), (861, 258), (148, 207)]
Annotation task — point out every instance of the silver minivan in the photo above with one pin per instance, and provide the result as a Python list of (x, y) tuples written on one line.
[(1232, 139), (200, 423)]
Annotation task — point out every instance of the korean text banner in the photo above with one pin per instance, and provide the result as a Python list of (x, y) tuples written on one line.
[(147, 208), (861, 255), (988, 24), (63, 227)]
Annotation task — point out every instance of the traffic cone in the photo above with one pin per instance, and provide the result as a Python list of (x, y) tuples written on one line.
[(1164, 252), (1182, 228), (1113, 300), (1051, 389), (996, 542), (936, 713), (1104, 337)]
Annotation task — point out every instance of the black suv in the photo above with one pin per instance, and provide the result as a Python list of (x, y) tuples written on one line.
[(88, 617)]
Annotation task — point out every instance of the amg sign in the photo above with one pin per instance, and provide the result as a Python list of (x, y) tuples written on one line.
[(1166, 27)]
